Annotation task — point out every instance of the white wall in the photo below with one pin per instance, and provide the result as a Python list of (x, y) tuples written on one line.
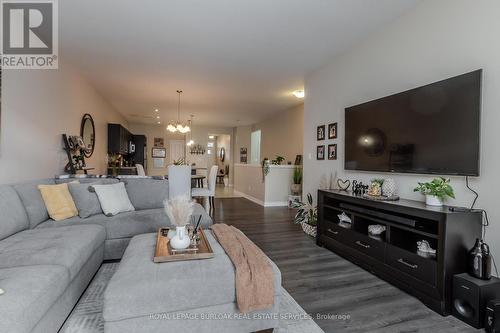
[(268, 192), (282, 134), (436, 40), (242, 140), (37, 107), (151, 132)]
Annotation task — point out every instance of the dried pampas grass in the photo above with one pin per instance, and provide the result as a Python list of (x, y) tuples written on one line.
[(179, 210)]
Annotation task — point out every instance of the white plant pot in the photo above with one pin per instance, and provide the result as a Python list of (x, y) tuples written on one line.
[(181, 239), (296, 189), (432, 200)]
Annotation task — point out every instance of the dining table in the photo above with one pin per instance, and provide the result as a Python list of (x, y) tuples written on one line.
[(197, 180)]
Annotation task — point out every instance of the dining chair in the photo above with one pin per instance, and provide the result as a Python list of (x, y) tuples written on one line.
[(208, 191), (179, 181), (140, 170)]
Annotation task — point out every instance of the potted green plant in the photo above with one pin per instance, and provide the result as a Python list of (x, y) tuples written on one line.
[(436, 191), (296, 186), (278, 160), (307, 215)]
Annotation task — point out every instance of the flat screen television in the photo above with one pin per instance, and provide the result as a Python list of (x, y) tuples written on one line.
[(434, 129)]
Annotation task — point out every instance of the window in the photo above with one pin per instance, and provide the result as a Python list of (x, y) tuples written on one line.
[(255, 147)]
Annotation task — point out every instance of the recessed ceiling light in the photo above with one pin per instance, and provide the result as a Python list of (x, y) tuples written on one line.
[(299, 93), (159, 122), (156, 110), (157, 117), (211, 136)]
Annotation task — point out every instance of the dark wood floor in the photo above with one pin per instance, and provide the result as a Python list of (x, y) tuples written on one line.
[(326, 284)]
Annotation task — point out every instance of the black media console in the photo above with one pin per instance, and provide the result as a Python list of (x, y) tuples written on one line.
[(393, 256)]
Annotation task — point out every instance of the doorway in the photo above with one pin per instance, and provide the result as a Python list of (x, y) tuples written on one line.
[(177, 150)]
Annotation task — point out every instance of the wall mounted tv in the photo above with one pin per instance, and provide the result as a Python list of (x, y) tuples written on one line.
[(434, 129)]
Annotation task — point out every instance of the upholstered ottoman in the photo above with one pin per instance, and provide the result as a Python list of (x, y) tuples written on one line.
[(184, 296)]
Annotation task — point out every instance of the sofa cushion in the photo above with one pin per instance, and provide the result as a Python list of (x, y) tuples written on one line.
[(146, 193), (113, 198), (30, 291), (87, 180), (13, 217), (86, 201), (127, 225), (70, 247), (58, 201), (32, 200)]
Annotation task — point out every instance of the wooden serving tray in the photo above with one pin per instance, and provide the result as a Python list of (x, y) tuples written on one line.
[(164, 253)]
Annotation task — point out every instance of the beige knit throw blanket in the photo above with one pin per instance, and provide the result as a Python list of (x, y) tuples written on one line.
[(254, 274)]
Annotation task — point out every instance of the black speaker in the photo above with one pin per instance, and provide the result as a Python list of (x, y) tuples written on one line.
[(492, 318), (471, 296)]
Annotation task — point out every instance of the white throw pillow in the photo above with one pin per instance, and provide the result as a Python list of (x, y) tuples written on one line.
[(113, 198)]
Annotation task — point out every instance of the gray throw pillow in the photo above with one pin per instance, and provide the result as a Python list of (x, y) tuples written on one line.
[(86, 201), (146, 193)]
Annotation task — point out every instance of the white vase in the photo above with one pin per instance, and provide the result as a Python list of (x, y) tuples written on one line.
[(389, 187), (181, 239), (171, 233), (432, 200)]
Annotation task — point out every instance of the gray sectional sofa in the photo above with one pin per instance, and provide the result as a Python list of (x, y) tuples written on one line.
[(46, 265)]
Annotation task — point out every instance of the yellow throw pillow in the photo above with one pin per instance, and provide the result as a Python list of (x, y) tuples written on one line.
[(58, 201)]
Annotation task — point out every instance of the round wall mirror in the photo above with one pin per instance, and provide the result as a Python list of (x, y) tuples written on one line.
[(222, 154), (87, 132)]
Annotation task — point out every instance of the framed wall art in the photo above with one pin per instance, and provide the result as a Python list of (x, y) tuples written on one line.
[(159, 153), (320, 152), (332, 152), (332, 131), (320, 133)]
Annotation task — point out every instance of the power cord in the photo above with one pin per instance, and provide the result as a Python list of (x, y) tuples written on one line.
[(470, 189), (485, 220)]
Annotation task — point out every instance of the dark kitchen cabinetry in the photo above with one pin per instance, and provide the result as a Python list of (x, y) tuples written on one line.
[(393, 255), (140, 153), (119, 139)]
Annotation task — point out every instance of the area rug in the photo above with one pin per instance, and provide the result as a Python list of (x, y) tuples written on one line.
[(87, 314)]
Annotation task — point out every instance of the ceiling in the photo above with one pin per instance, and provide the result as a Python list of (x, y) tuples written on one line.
[(236, 61)]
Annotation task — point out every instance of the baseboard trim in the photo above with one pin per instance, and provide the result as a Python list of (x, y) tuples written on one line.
[(276, 204), (249, 197), (260, 202)]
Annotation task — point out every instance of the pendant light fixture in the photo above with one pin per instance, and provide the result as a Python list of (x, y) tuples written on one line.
[(178, 126), (190, 123)]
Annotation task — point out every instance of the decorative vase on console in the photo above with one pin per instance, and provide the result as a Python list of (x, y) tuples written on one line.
[(389, 187), (179, 211)]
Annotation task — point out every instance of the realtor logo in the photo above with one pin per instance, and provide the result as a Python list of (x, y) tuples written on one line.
[(29, 34)]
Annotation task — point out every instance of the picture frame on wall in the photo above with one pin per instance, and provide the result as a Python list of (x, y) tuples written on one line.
[(158, 142), (320, 133), (332, 131), (243, 155), (332, 151), (298, 160), (158, 152), (320, 152)]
